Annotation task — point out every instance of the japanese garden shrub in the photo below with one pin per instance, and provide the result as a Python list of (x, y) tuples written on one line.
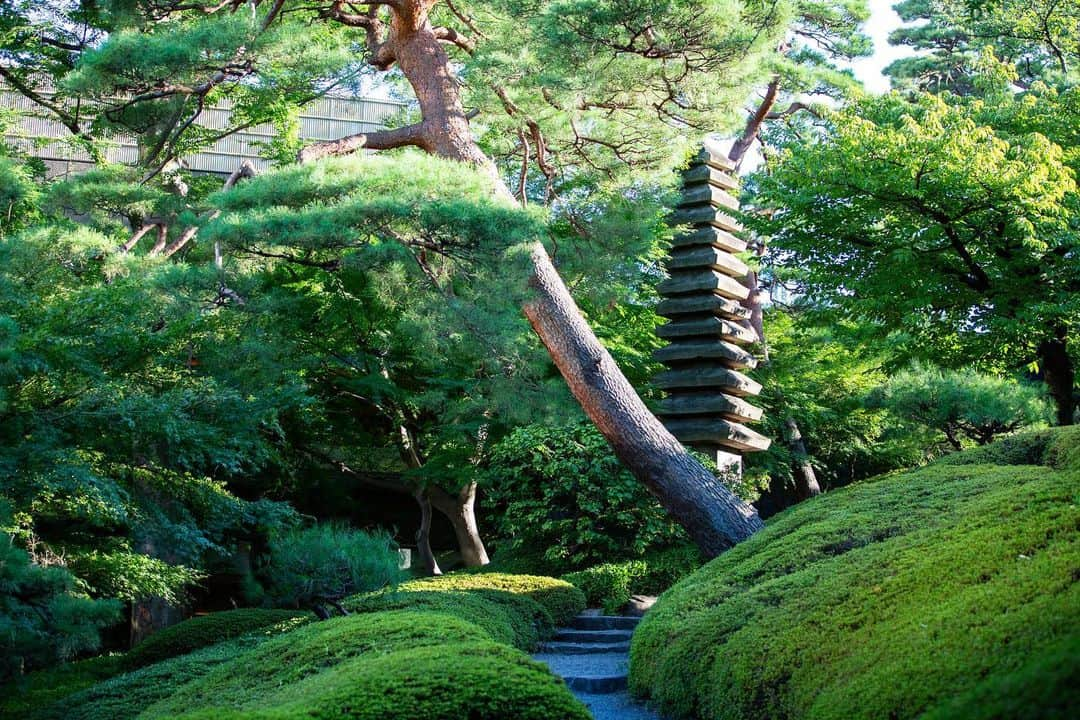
[(506, 618), (477, 680), (124, 696), (209, 629), (947, 591), (28, 695), (563, 490), (308, 651), (327, 563), (610, 585), (558, 597)]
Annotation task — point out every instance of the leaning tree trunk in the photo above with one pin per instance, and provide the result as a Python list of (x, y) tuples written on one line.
[(1059, 376), (423, 534), (713, 516), (460, 509)]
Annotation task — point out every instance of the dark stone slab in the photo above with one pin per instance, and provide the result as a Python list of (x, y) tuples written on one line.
[(703, 304), (603, 622), (706, 327), (726, 406), (717, 431), (707, 256), (706, 377), (703, 281), (705, 214), (706, 194), (713, 176), (708, 235)]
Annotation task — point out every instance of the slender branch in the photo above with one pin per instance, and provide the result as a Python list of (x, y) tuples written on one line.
[(414, 135)]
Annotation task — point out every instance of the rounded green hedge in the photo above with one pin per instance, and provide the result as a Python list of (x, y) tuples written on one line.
[(559, 597), (474, 680), (506, 618), (948, 591), (206, 630), (313, 649)]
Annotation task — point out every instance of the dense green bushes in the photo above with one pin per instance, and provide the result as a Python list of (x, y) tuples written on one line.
[(939, 592), (610, 585), (327, 563), (564, 491), (206, 630), (558, 597)]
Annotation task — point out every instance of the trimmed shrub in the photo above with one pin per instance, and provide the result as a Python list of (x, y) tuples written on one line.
[(610, 585), (939, 592), (475, 680), (124, 697), (287, 660), (327, 563), (506, 618), (207, 630), (28, 695), (559, 597)]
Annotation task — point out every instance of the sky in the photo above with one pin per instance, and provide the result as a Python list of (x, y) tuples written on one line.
[(882, 21)]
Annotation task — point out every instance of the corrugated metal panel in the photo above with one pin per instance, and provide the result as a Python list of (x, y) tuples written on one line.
[(327, 118)]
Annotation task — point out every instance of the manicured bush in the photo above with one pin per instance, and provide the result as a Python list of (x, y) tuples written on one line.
[(610, 586), (559, 597), (289, 659), (506, 618), (327, 563), (126, 696), (209, 629), (30, 694), (475, 680), (939, 592)]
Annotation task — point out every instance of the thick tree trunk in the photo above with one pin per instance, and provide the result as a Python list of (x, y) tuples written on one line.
[(1059, 376), (423, 535), (461, 511), (709, 511)]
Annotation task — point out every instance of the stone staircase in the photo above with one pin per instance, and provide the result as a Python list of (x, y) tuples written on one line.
[(593, 657)]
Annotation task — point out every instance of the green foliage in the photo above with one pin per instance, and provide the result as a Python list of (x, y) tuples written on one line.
[(18, 196), (561, 599), (479, 680), (504, 617), (327, 562), (931, 593), (564, 490), (291, 658), (204, 630), (28, 696), (43, 619), (976, 201), (962, 403), (610, 585)]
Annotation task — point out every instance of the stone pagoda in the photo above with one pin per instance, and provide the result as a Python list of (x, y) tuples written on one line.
[(706, 404)]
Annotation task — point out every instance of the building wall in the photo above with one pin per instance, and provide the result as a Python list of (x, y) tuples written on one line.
[(327, 118)]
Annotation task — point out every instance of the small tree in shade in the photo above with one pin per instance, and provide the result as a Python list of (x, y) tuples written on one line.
[(963, 404), (325, 563)]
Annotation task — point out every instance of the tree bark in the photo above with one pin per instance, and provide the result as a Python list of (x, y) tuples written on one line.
[(423, 535), (460, 509), (806, 482), (1060, 376)]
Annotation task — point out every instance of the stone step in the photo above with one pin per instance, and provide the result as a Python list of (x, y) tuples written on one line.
[(563, 647), (600, 673), (708, 235), (704, 303), (695, 350), (595, 636), (604, 622)]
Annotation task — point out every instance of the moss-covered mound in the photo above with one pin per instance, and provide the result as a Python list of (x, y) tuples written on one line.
[(206, 630), (559, 597), (475, 680), (946, 592)]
